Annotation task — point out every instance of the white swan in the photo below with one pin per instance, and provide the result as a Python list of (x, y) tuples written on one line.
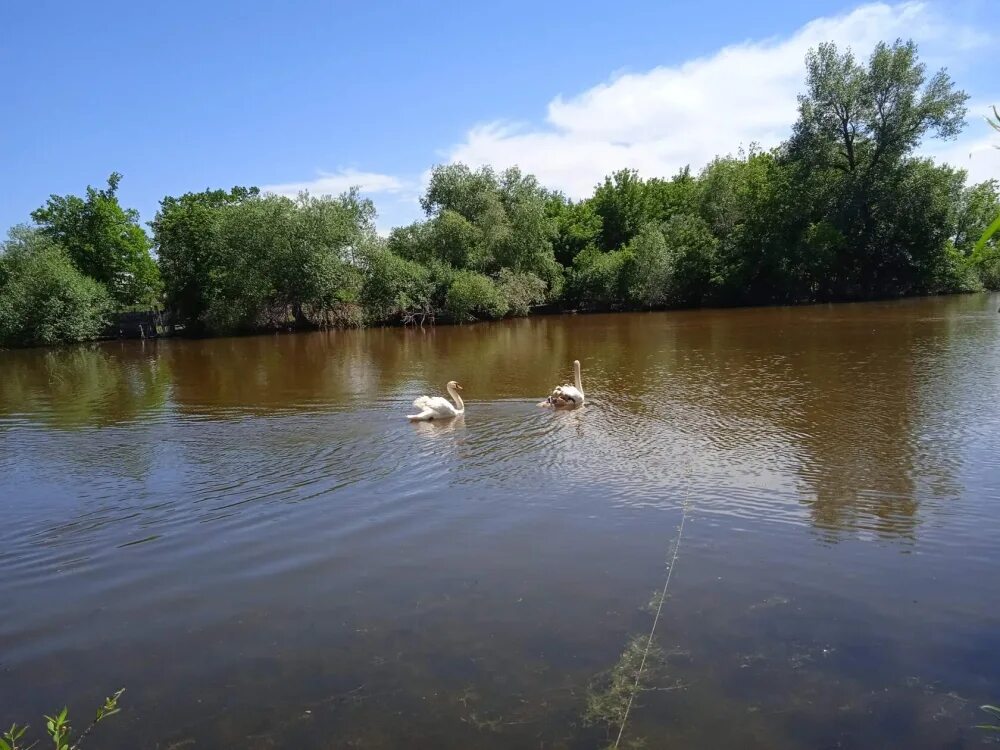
[(567, 396), (437, 407)]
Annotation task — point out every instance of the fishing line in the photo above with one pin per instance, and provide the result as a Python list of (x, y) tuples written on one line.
[(659, 609)]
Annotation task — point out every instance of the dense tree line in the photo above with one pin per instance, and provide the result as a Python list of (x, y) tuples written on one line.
[(843, 210)]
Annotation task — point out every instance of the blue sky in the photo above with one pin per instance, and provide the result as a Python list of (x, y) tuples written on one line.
[(183, 96)]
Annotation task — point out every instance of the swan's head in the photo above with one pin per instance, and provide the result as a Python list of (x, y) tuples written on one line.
[(453, 384)]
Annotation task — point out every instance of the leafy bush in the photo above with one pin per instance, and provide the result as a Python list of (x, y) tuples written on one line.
[(597, 279), (953, 272), (521, 291), (394, 287), (44, 299), (472, 296)]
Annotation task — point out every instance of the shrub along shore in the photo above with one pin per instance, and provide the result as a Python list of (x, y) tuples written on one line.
[(842, 210)]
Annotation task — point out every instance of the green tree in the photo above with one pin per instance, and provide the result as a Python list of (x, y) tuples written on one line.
[(279, 261), (691, 249), (484, 221), (646, 274), (668, 198), (44, 299), (672, 264), (858, 126), (411, 242), (185, 234), (240, 261), (623, 205), (104, 241), (757, 207), (913, 251), (472, 194), (577, 227), (455, 240), (858, 118), (320, 269)]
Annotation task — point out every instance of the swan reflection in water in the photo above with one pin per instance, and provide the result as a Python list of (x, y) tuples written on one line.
[(437, 427)]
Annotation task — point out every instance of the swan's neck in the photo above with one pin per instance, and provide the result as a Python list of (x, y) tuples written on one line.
[(576, 375), (459, 404)]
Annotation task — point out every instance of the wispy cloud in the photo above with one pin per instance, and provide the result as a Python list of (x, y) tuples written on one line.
[(334, 183)]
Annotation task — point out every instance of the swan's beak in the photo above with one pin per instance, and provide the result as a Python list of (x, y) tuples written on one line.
[(459, 387)]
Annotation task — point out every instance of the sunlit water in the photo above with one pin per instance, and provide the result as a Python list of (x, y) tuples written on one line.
[(248, 535)]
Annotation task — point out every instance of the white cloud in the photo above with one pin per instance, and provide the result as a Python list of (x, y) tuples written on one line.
[(334, 183), (662, 119)]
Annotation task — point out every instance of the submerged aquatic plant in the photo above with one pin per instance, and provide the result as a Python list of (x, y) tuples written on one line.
[(611, 692), (58, 728)]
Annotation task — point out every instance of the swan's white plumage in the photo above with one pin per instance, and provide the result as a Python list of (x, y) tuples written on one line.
[(436, 407), (569, 391), (566, 394)]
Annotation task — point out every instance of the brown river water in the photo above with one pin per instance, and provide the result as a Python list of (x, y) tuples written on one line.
[(248, 535)]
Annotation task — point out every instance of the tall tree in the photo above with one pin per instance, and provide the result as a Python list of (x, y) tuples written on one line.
[(484, 221), (185, 233), (622, 203), (237, 260), (859, 126), (577, 227), (859, 118), (104, 241)]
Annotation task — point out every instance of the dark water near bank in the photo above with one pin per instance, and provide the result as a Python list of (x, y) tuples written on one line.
[(248, 535)]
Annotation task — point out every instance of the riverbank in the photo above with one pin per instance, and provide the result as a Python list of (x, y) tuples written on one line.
[(158, 324)]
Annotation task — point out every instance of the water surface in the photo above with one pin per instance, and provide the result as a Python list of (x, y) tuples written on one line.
[(248, 535)]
